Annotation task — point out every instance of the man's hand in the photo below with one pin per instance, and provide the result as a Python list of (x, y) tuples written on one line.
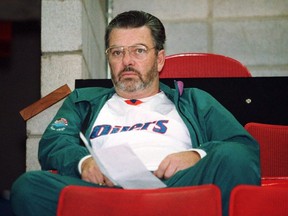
[(176, 162), (92, 173)]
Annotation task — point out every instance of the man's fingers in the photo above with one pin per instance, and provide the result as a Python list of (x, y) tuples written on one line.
[(107, 182), (170, 171), (160, 172), (91, 172), (176, 162), (93, 175)]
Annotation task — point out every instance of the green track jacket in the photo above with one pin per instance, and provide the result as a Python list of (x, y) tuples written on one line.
[(208, 122)]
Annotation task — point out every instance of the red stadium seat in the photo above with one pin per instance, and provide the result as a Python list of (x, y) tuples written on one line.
[(249, 200), (89, 201), (189, 65), (273, 141)]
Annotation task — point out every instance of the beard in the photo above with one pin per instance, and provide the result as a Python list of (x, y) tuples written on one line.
[(139, 82)]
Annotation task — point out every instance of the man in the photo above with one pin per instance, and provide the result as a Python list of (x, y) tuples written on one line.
[(187, 137)]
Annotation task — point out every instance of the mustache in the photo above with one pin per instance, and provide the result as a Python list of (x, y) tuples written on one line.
[(129, 68)]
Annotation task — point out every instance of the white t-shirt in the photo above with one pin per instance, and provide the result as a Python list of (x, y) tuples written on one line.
[(153, 129)]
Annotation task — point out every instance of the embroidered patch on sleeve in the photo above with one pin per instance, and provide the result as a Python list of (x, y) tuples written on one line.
[(59, 124)]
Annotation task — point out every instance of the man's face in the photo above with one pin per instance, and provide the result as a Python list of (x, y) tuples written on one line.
[(133, 68)]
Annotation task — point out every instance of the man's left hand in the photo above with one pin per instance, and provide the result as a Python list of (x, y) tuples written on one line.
[(176, 162)]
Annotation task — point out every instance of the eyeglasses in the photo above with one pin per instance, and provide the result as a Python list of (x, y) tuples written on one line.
[(139, 52)]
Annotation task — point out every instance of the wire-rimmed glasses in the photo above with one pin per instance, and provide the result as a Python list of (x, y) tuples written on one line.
[(139, 52)]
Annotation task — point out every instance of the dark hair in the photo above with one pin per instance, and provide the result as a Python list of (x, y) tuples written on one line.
[(135, 19)]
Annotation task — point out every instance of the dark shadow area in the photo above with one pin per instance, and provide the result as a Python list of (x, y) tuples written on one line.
[(19, 87)]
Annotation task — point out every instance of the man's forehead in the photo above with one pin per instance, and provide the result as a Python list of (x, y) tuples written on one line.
[(130, 36)]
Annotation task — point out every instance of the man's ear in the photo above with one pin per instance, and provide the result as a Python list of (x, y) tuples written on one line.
[(161, 59)]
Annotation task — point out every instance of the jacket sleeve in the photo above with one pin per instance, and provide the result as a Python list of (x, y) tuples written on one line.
[(60, 147)]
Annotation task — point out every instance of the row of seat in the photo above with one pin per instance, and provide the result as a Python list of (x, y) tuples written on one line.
[(201, 200)]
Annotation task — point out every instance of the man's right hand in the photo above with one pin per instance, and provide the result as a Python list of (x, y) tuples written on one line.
[(91, 173)]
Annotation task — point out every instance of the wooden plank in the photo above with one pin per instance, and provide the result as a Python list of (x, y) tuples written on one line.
[(45, 102)]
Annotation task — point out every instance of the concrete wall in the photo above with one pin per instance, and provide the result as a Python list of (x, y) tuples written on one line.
[(255, 32)]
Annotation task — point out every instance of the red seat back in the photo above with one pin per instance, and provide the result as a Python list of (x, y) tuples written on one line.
[(273, 141), (187, 65), (249, 200), (196, 200)]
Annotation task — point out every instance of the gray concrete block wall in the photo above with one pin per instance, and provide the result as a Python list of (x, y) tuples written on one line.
[(61, 26), (93, 30), (255, 42), (249, 8), (166, 10), (255, 32)]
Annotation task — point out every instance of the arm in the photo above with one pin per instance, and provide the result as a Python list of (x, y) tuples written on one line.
[(209, 124), (60, 146)]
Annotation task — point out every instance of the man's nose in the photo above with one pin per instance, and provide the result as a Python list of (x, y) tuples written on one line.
[(127, 58)]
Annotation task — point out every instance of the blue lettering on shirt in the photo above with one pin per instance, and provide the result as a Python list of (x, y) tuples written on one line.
[(105, 129)]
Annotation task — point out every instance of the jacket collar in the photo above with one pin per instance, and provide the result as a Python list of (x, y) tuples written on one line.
[(93, 93)]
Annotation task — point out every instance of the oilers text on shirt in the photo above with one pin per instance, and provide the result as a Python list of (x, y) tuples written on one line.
[(106, 129)]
